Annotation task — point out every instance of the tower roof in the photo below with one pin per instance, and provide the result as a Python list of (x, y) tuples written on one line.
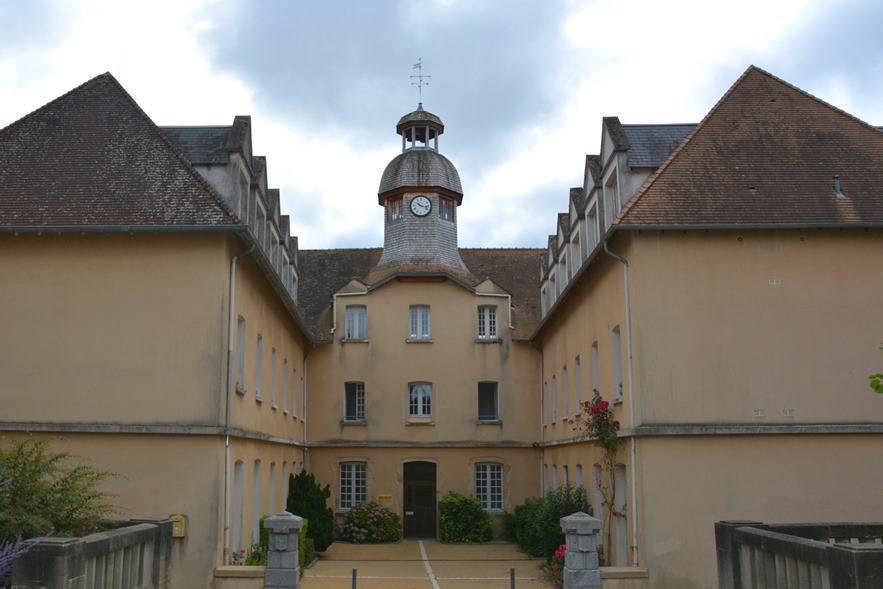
[(420, 118), (421, 168)]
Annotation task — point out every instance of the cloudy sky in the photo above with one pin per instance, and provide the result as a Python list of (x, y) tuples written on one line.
[(521, 85)]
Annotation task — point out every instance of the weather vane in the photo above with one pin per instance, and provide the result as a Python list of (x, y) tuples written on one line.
[(420, 82)]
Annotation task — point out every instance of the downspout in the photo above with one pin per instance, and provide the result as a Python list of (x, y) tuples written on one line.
[(628, 331), (541, 445), (232, 313), (334, 307)]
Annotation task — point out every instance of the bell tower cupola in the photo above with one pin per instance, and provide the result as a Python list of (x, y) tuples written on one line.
[(420, 192)]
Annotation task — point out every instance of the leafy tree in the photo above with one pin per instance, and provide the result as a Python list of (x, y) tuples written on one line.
[(48, 490), (307, 499), (461, 519)]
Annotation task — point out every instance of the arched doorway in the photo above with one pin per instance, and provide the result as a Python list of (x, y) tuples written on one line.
[(419, 493)]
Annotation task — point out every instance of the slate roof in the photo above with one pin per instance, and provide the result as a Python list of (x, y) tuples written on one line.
[(93, 158), (201, 145), (766, 155), (324, 272), (650, 145), (417, 168)]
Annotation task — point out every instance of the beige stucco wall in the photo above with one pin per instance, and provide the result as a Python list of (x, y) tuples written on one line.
[(454, 362), (119, 344), (159, 476), (454, 470), (691, 482), (264, 314), (729, 322), (112, 328)]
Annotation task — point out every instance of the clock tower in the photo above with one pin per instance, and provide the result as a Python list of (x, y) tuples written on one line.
[(420, 192)]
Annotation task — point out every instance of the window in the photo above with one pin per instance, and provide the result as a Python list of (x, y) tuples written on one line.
[(554, 484), (353, 484), (355, 322), (487, 322), (596, 379), (446, 209), (285, 386), (420, 322), (273, 377), (420, 399), (577, 385), (240, 355), (617, 363), (487, 402), (489, 486), (554, 399), (259, 377), (256, 500), (294, 393), (272, 489), (354, 403), (565, 474), (564, 405), (394, 209)]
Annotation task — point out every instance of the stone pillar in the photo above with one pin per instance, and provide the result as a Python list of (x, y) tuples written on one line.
[(581, 559), (283, 570)]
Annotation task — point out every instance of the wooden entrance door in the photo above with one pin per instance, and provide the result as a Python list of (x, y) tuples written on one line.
[(419, 493)]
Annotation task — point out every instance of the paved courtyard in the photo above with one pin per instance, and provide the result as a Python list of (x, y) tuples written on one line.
[(425, 564)]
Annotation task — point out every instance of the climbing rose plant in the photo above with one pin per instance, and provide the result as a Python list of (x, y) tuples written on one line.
[(596, 423)]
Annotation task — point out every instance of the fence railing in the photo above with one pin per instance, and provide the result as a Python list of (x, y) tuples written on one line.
[(806, 555), (134, 556)]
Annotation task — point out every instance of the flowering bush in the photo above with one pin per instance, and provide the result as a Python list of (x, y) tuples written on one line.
[(370, 522), (556, 564), (597, 423)]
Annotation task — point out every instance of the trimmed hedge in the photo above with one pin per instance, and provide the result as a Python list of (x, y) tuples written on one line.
[(461, 519)]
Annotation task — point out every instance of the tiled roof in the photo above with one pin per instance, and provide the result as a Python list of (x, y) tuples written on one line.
[(324, 272), (766, 155), (650, 145), (93, 158)]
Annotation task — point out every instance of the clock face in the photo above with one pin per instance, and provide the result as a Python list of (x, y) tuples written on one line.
[(420, 205)]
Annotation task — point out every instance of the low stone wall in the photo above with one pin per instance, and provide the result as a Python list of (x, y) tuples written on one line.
[(836, 555), (134, 556)]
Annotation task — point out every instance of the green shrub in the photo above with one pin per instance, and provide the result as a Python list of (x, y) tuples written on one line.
[(257, 555), (538, 527), (461, 519), (310, 501), (48, 490), (527, 524), (370, 522), (306, 550)]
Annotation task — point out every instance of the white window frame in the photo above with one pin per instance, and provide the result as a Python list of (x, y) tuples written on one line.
[(419, 322), (353, 484), (489, 485), (487, 322), (356, 322), (357, 391), (420, 399)]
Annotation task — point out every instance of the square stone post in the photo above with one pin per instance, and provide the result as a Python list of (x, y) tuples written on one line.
[(581, 559), (283, 571)]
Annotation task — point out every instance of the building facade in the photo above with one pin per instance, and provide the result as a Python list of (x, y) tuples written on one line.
[(715, 282)]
